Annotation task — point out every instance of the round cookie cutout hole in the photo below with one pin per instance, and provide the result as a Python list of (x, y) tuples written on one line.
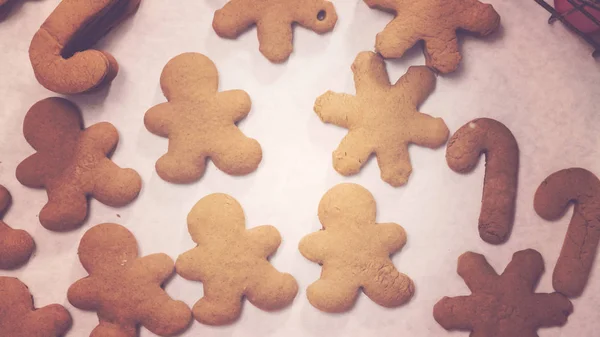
[(321, 15)]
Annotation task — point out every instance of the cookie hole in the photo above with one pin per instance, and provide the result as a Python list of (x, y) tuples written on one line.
[(321, 15)]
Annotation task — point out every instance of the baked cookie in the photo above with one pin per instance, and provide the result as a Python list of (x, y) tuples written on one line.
[(200, 122), (382, 119), (60, 50), (355, 253), (125, 289), (274, 20), (435, 22), (18, 317), (492, 138), (16, 245), (502, 305), (232, 262), (552, 198), (72, 163)]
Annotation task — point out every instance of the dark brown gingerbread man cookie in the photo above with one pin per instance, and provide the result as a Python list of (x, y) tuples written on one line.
[(72, 163), (502, 305)]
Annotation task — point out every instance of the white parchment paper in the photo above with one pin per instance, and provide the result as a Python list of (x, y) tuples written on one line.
[(538, 79)]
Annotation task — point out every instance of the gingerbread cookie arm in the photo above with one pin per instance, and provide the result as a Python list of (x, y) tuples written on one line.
[(16, 246), (159, 119), (391, 236), (551, 200), (104, 135), (316, 246), (83, 294), (491, 137), (264, 239), (369, 73), (233, 19), (338, 109), (31, 171), (476, 271), (455, 313), (416, 85), (530, 260), (319, 16), (275, 37), (479, 18), (115, 186), (187, 267), (436, 136), (234, 103)]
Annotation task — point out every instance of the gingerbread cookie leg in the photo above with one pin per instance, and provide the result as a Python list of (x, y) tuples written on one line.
[(271, 291), (390, 288), (441, 52), (181, 165), (108, 329), (66, 208), (113, 184), (394, 163), (352, 153), (218, 306), (333, 292)]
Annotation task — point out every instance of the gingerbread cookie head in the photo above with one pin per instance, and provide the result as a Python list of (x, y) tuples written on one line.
[(355, 253), (435, 22), (494, 140), (552, 198), (502, 305), (19, 318), (382, 119), (124, 289), (200, 122), (72, 163), (274, 21), (60, 50), (16, 246), (232, 262)]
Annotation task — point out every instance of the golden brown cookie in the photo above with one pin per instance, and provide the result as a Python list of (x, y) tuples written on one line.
[(552, 198), (16, 245), (18, 317), (382, 119), (60, 50), (232, 262), (274, 20), (492, 138), (502, 305), (72, 163), (125, 289), (355, 253), (435, 22), (200, 122)]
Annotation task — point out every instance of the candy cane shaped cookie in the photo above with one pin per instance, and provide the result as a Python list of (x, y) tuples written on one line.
[(59, 51), (553, 196), (495, 140)]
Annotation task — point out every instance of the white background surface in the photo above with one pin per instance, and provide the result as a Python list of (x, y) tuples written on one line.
[(539, 80)]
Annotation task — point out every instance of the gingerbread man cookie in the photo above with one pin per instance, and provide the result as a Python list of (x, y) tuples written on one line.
[(382, 119), (60, 50), (435, 22), (16, 245), (274, 21), (72, 163), (502, 305), (200, 122), (19, 318), (124, 289), (232, 262), (355, 253)]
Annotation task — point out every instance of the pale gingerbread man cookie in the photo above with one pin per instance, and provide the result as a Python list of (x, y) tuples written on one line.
[(125, 289), (382, 119), (72, 163), (232, 262), (502, 305), (355, 253), (200, 122), (435, 22), (19, 318), (274, 20), (16, 245)]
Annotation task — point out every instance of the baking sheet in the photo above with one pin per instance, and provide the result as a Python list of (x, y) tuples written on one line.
[(538, 79)]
